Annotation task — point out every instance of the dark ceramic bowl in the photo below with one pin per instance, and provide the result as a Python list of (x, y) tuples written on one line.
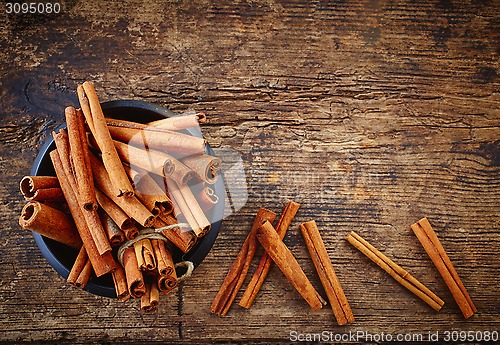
[(62, 257)]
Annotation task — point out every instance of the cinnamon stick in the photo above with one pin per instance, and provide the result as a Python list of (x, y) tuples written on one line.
[(30, 184), (145, 255), (207, 199), (91, 218), (177, 123), (51, 223), (121, 219), (184, 240), (395, 271), (179, 143), (115, 235), (429, 240), (135, 280), (79, 151), (97, 124), (265, 262), (205, 167), (149, 301), (152, 195), (326, 273), (101, 264), (130, 205), (286, 262), (167, 279), (78, 265), (84, 276), (239, 269), (120, 282), (189, 207)]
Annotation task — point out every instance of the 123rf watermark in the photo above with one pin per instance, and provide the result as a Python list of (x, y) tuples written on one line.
[(364, 336)]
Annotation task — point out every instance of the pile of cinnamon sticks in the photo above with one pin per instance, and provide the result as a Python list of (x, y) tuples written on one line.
[(114, 180)]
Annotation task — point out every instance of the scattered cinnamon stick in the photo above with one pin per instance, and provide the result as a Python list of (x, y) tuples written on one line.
[(429, 240), (286, 262), (326, 273), (239, 269), (51, 223), (395, 271), (265, 262), (97, 124)]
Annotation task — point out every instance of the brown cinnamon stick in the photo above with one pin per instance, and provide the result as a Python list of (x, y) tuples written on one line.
[(30, 184), (97, 124), (115, 235), (167, 279), (429, 240), (205, 167), (177, 123), (145, 255), (121, 219), (184, 240), (286, 262), (326, 273), (152, 195), (207, 199), (120, 282), (130, 205), (79, 151), (149, 301), (51, 223), (78, 265), (91, 218), (135, 280), (84, 276), (101, 264), (180, 143), (239, 269), (395, 271), (265, 262)]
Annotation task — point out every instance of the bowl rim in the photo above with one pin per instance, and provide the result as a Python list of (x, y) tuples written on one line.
[(195, 255)]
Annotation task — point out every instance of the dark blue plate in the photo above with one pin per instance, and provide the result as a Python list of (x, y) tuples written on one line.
[(62, 257)]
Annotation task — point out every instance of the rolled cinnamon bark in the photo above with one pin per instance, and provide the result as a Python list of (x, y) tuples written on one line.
[(101, 264), (48, 194), (165, 263), (149, 302), (97, 124), (121, 219), (79, 151), (262, 270), (207, 199), (239, 269), (326, 273), (91, 218), (152, 195), (180, 143), (84, 276), (130, 205), (30, 184), (78, 265), (395, 271), (184, 240), (145, 255), (204, 166), (429, 240), (177, 123), (166, 283), (189, 207), (286, 262), (115, 235), (51, 223), (135, 280), (120, 282)]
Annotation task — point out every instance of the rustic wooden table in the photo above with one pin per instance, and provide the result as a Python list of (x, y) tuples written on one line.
[(371, 114)]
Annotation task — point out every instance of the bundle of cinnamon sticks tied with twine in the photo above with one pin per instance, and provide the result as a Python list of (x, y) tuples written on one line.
[(271, 239), (142, 188)]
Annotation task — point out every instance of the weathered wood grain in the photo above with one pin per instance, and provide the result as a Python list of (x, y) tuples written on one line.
[(371, 114)]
